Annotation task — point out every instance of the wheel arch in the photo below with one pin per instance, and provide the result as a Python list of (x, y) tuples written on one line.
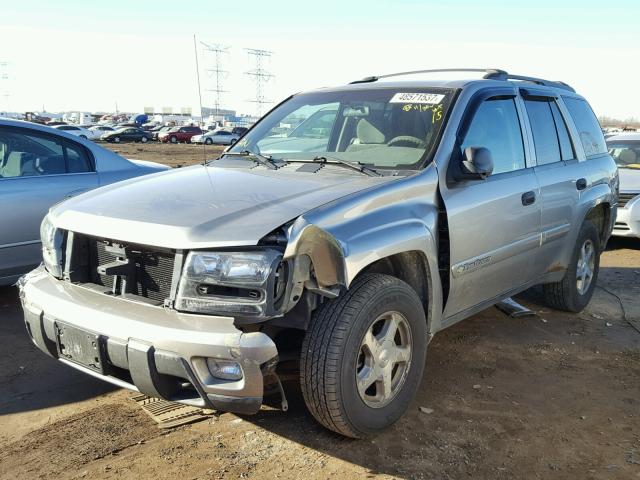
[(406, 250), (600, 215)]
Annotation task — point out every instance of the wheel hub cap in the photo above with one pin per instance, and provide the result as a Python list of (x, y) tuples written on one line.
[(585, 267), (384, 359)]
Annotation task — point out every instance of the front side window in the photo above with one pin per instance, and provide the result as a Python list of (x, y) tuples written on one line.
[(30, 154), (588, 127), (381, 128), (496, 126), (626, 153)]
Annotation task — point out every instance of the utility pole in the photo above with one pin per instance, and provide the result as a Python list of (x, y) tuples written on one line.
[(260, 76), (216, 71)]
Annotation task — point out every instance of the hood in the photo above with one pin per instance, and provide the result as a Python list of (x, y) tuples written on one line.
[(629, 179), (206, 206)]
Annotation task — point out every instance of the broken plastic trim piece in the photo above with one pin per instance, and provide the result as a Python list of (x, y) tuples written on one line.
[(513, 309)]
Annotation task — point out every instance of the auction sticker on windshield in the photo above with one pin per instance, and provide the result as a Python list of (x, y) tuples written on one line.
[(430, 98)]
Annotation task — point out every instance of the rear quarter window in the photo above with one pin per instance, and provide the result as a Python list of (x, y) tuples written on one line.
[(588, 127)]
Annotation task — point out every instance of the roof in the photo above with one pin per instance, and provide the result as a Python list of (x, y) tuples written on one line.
[(457, 78), (625, 136)]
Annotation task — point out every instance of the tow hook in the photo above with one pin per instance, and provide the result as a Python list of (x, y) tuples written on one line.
[(269, 370), (283, 402)]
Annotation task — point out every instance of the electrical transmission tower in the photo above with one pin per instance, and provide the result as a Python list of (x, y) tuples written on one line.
[(4, 80), (260, 76), (216, 71)]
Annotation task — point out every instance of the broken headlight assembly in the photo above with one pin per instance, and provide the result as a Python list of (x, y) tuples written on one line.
[(243, 284), (52, 239)]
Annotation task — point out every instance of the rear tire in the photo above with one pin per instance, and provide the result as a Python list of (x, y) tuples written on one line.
[(208, 141), (574, 291), (355, 381)]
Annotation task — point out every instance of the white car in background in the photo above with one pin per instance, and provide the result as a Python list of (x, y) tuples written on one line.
[(98, 130), (216, 137), (625, 150), (75, 130)]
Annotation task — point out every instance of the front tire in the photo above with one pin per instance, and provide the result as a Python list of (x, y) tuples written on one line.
[(144, 139), (363, 356), (208, 141), (173, 139), (116, 139), (574, 291)]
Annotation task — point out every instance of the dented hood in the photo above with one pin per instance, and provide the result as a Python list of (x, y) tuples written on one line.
[(205, 206)]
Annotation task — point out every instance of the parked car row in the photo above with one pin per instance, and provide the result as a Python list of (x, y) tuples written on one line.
[(165, 134)]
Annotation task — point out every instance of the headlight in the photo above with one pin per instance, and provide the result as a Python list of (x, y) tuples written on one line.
[(51, 239), (245, 284)]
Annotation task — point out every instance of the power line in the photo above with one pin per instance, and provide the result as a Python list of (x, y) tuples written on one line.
[(260, 76), (216, 72)]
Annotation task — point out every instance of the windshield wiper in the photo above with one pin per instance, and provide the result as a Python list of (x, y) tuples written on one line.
[(357, 166), (265, 160)]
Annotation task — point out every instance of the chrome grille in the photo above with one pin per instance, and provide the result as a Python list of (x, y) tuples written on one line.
[(624, 198)]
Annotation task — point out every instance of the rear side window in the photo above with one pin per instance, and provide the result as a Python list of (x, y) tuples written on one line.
[(545, 138), (550, 135), (77, 160), (496, 127), (588, 127), (566, 147)]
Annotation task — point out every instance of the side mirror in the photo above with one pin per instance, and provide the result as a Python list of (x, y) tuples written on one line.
[(477, 163), (233, 141)]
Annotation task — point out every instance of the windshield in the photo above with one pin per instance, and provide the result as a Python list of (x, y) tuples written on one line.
[(382, 128), (626, 153)]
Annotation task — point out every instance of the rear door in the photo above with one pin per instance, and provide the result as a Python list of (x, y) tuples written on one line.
[(494, 224), (37, 170), (559, 175)]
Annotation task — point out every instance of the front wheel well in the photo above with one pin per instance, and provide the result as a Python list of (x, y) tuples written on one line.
[(410, 267)]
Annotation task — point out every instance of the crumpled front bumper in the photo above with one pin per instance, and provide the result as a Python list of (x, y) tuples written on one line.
[(157, 351)]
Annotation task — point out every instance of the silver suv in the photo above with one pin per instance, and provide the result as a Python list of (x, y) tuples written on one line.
[(333, 251)]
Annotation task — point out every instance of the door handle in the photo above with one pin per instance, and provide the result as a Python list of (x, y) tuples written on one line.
[(528, 198), (581, 183)]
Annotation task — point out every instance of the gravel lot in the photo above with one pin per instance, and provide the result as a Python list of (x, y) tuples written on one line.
[(553, 396)]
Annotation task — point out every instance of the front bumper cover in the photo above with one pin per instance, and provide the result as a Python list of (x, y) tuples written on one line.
[(628, 220), (153, 350)]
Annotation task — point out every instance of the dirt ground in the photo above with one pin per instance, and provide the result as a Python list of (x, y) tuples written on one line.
[(553, 396), (178, 155)]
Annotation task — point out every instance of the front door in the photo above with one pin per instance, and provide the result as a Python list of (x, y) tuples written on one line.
[(494, 224)]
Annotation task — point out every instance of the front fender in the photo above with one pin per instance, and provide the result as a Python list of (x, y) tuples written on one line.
[(343, 239)]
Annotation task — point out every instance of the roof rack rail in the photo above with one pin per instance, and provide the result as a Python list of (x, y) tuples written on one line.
[(502, 75), (487, 71), (489, 74)]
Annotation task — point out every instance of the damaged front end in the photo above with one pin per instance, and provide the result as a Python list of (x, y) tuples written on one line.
[(202, 327)]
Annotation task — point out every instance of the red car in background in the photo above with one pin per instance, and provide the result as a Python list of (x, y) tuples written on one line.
[(179, 134)]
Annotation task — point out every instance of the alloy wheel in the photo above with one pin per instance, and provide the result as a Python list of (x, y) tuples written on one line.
[(585, 267), (384, 359)]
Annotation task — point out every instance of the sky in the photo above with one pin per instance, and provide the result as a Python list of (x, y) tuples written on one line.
[(88, 56)]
